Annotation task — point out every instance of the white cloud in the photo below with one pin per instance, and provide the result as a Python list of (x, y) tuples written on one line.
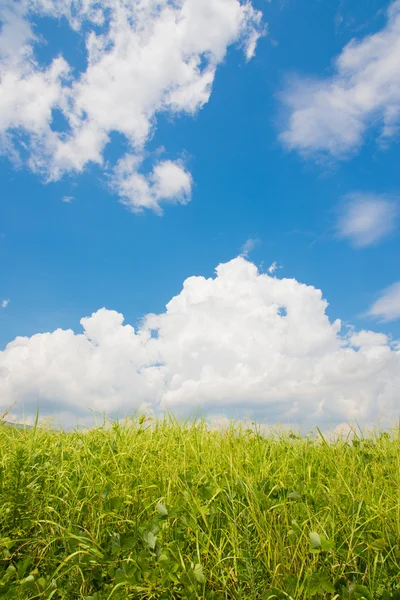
[(365, 339), (331, 115), (67, 199), (387, 307), (274, 267), (168, 182), (367, 218), (5, 303), (222, 344), (344, 431), (147, 57), (249, 246)]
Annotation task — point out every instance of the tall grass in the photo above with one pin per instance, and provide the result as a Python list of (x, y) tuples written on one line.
[(174, 510)]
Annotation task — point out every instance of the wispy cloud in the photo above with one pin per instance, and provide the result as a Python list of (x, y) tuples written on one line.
[(331, 115), (366, 219), (387, 307), (5, 303), (249, 246), (67, 199), (274, 267)]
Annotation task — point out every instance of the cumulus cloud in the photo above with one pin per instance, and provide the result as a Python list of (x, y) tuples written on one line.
[(168, 182), (331, 115), (223, 345), (366, 219), (365, 339), (143, 58), (387, 307)]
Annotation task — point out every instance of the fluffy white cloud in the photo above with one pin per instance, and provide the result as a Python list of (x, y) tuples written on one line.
[(143, 57), (223, 344), (366, 219), (387, 307), (332, 114), (5, 303), (365, 339), (168, 182)]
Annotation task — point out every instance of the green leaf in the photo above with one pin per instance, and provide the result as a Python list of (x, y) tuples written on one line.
[(106, 491), (379, 544), (198, 573), (28, 580), (11, 571), (9, 574), (327, 545), (328, 586), (315, 540), (294, 496), (7, 543), (42, 582), (360, 591), (296, 527), (291, 583), (314, 584), (120, 575), (23, 566), (162, 509), (128, 543), (150, 539), (163, 559), (173, 577), (318, 583)]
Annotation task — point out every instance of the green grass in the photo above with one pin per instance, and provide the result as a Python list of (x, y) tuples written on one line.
[(175, 510)]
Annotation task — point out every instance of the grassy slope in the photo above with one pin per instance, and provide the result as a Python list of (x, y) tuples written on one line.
[(178, 511)]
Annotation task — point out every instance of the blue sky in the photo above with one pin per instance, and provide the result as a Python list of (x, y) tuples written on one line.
[(285, 148)]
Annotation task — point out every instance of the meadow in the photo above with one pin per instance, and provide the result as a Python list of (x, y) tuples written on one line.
[(169, 510)]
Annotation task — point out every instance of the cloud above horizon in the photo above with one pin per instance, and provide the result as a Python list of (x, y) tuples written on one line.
[(387, 307), (331, 115), (143, 58), (242, 343), (169, 181), (367, 219)]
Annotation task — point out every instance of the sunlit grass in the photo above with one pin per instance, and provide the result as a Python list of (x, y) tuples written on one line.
[(173, 510)]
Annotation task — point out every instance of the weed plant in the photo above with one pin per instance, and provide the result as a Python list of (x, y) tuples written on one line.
[(167, 510)]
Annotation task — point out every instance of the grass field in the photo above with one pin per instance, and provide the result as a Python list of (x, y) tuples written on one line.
[(169, 510)]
